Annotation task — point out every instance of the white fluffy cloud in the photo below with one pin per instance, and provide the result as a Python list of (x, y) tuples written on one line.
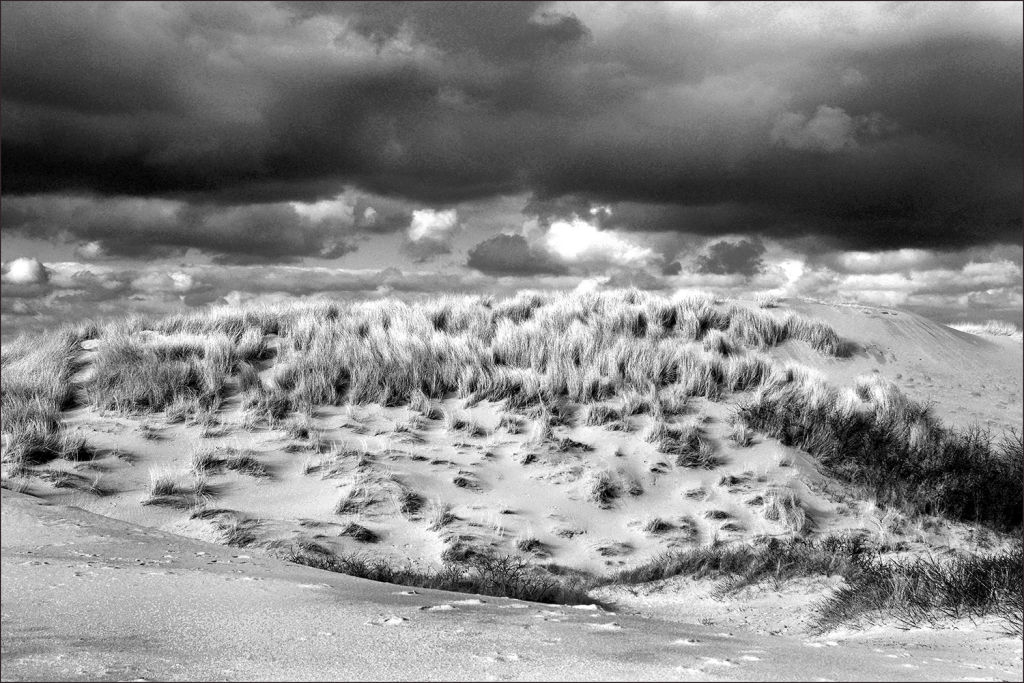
[(339, 209), (577, 241), (25, 271), (428, 224), (885, 261)]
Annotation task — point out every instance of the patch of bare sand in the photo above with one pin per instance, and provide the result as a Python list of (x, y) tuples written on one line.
[(969, 378)]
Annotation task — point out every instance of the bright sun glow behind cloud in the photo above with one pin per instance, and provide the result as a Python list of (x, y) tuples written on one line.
[(576, 241)]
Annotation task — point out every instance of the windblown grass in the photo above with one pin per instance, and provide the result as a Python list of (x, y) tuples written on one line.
[(926, 590), (991, 328), (480, 574), (907, 592), (895, 449), (525, 351), (35, 387)]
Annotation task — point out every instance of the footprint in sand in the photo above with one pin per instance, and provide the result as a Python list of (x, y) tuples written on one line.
[(686, 672), (499, 657), (611, 626), (388, 621), (715, 661)]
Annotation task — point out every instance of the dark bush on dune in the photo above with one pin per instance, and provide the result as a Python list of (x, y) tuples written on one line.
[(897, 451), (504, 576), (910, 592)]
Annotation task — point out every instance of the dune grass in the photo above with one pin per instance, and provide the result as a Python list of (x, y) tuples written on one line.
[(524, 351), (178, 489), (908, 592), (893, 447), (35, 387), (991, 328), (505, 576)]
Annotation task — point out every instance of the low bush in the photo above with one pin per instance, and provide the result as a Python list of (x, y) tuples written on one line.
[(894, 448), (906, 591), (480, 574)]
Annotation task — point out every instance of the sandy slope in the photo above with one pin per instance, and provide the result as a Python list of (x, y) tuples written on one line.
[(89, 597), (970, 378)]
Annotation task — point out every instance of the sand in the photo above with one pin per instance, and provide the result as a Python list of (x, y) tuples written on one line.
[(89, 597)]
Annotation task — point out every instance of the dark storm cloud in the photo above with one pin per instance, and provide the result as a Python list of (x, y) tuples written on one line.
[(726, 258), (890, 126), (150, 228), (512, 255)]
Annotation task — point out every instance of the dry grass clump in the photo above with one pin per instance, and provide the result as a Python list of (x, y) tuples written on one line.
[(245, 462), (992, 328), (236, 531), (783, 506), (513, 424), (149, 431), (62, 479), (441, 515), (206, 461), (479, 573), (410, 502), (907, 591), (530, 544), (716, 342), (656, 525), (360, 533), (604, 488), (134, 374), (362, 493), (35, 387), (894, 448), (300, 427), (746, 371), (634, 487), (741, 435), (685, 442), (597, 414), (820, 336), (455, 421), (925, 590), (176, 489), (269, 405)]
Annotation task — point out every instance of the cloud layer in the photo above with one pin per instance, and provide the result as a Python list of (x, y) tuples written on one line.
[(171, 154), (876, 126)]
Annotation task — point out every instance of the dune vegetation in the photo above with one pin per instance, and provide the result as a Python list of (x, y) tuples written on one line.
[(624, 362)]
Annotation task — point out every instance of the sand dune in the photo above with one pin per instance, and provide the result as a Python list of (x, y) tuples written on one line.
[(109, 580)]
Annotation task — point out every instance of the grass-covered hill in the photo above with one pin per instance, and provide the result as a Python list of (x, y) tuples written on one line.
[(532, 445)]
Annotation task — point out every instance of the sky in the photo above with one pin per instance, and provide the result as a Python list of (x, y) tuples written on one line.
[(156, 157)]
